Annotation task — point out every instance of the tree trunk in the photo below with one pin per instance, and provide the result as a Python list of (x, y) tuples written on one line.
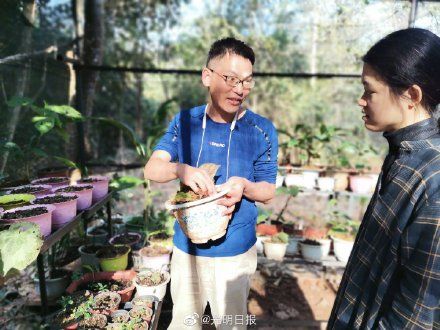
[(93, 52), (29, 11), (139, 95)]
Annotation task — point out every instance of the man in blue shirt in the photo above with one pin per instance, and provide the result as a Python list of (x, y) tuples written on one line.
[(245, 146)]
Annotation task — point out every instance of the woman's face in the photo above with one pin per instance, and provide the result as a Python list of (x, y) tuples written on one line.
[(383, 110)]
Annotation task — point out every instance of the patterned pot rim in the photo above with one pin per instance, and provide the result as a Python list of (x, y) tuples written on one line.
[(172, 207)]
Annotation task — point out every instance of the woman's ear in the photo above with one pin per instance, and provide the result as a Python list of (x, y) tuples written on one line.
[(414, 94), (206, 77)]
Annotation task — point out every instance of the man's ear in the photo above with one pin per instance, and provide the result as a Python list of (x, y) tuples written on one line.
[(414, 94), (206, 77)]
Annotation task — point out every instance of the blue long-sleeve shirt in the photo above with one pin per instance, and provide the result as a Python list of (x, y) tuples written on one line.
[(253, 155)]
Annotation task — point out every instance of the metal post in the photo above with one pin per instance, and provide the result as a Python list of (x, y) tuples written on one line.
[(42, 279), (109, 218), (80, 127), (413, 13)]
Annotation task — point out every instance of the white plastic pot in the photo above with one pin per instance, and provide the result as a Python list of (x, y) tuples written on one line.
[(157, 291), (342, 249), (326, 184), (294, 180), (293, 247), (274, 251), (315, 252), (280, 181), (259, 243)]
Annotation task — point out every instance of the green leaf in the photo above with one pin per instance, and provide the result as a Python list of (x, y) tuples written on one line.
[(39, 152), (126, 182), (19, 246), (66, 161), (64, 110), (44, 126), (127, 130), (17, 101)]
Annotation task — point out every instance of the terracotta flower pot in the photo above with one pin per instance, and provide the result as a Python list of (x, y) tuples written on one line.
[(265, 229), (106, 276), (315, 233)]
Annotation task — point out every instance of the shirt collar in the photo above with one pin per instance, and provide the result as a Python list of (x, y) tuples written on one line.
[(410, 136)]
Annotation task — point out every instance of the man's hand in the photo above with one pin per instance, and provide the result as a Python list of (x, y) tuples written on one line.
[(197, 179), (235, 194)]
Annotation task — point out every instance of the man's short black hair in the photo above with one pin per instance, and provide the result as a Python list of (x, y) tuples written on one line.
[(230, 45)]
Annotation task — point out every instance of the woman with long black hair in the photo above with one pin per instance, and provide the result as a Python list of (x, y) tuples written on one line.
[(392, 279)]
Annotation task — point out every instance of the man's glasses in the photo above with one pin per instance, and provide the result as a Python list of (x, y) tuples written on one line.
[(233, 81)]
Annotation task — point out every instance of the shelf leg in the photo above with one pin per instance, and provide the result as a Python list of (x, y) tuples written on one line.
[(109, 218), (42, 279)]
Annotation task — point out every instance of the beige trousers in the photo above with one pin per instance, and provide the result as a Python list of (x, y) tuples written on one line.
[(224, 282)]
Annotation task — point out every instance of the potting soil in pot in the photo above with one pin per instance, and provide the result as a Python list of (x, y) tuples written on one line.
[(154, 251), (186, 194), (95, 321), (74, 188), (20, 214), (52, 180), (109, 252), (27, 190), (311, 242), (151, 278), (54, 199), (111, 285), (125, 238)]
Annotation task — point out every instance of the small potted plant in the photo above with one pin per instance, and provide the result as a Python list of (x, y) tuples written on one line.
[(36, 190), (88, 254), (83, 191), (94, 321), (343, 232), (56, 283), (315, 249), (106, 302), (152, 282), (146, 301), (38, 214), (141, 312), (54, 182), (113, 257), (97, 235), (120, 282), (120, 316), (154, 257), (133, 239), (13, 201), (199, 216), (275, 248), (100, 186), (65, 207), (74, 308)]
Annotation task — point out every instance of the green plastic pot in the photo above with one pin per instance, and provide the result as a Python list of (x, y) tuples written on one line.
[(114, 264), (20, 199)]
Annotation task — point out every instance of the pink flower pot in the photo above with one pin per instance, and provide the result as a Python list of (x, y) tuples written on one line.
[(64, 212), (44, 221), (84, 196), (100, 187), (62, 181), (43, 190)]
